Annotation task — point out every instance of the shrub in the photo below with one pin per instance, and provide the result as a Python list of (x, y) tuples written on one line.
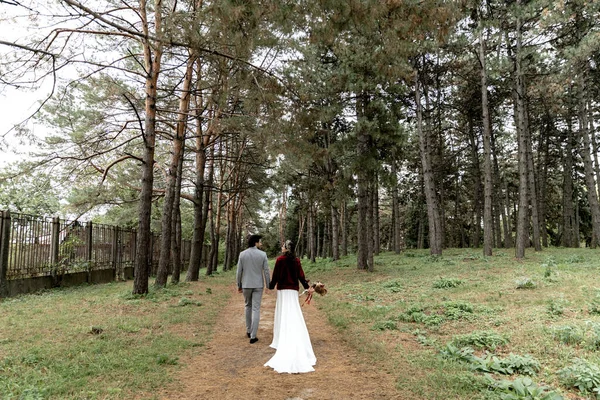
[(582, 375), (454, 353), (455, 310), (523, 388), (481, 339), (568, 334), (513, 364), (556, 307), (594, 304), (393, 286), (384, 325), (447, 283), (525, 283), (417, 314)]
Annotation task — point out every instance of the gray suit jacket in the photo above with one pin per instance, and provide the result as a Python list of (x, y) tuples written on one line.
[(253, 269)]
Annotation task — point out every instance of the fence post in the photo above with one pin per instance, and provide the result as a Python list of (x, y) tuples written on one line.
[(4, 249), (55, 242), (115, 253), (89, 249)]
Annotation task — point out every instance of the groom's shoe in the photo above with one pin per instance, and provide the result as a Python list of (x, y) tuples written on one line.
[(248, 334), (253, 340)]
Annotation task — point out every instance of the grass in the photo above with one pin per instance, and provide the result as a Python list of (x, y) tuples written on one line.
[(102, 342), (406, 312)]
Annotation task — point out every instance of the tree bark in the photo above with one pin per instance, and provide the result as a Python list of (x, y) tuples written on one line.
[(487, 156), (172, 173), (586, 157), (568, 229), (362, 151), (152, 60), (177, 233), (433, 213), (522, 220)]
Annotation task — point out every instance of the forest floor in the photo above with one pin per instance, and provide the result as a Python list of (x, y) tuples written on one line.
[(229, 367)]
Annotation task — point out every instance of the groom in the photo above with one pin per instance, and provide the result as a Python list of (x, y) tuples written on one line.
[(252, 276)]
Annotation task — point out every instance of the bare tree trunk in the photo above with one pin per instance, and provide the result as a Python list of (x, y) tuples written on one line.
[(396, 232), (568, 229), (344, 226), (176, 239), (587, 159), (176, 157), (522, 220), (370, 229), (593, 137), (202, 141), (152, 68), (500, 212), (433, 213), (376, 233), (215, 221), (543, 174), (362, 151), (335, 233), (487, 156), (532, 184), (282, 215), (312, 234), (478, 190)]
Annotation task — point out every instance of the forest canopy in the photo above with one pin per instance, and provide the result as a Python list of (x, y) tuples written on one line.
[(352, 126)]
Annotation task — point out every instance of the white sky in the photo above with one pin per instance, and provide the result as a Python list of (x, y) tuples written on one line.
[(15, 105)]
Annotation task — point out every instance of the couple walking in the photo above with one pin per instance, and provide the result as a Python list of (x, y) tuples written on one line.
[(290, 337)]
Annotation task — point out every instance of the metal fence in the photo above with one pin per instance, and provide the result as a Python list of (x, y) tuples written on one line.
[(33, 246)]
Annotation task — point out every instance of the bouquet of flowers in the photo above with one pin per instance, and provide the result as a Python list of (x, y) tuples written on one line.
[(319, 287)]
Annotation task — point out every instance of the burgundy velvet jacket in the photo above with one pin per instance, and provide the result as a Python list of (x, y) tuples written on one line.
[(286, 274)]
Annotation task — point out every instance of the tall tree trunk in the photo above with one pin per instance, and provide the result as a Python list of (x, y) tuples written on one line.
[(532, 184), (215, 220), (522, 220), (586, 157), (478, 190), (568, 230), (508, 238), (171, 184), (344, 226), (543, 158), (370, 228), (176, 237), (362, 151), (282, 216), (487, 156), (396, 232), (152, 60), (376, 233), (595, 148), (433, 213), (312, 234), (335, 233), (202, 140), (500, 211)]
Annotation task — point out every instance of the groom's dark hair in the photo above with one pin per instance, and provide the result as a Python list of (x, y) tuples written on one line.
[(253, 239)]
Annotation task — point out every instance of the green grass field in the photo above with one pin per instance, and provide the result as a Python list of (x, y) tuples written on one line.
[(465, 326), (459, 326), (101, 342)]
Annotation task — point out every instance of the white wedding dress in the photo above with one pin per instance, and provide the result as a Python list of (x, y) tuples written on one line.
[(290, 337)]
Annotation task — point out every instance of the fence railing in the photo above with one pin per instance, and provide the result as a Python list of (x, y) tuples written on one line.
[(39, 252)]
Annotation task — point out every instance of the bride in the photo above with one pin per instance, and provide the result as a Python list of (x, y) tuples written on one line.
[(290, 337)]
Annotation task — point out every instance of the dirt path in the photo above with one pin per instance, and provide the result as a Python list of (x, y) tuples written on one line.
[(232, 368)]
